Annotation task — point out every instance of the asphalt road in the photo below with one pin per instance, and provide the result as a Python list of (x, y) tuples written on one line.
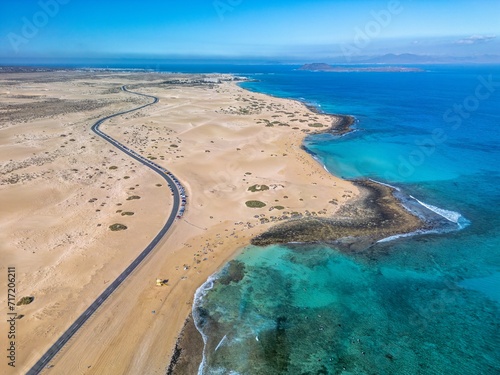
[(177, 190)]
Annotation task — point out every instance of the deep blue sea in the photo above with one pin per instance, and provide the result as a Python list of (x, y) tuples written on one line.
[(427, 304)]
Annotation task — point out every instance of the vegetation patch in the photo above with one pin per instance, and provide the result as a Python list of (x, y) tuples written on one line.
[(316, 125), (25, 301), (113, 167), (117, 227), (127, 213), (255, 204), (255, 188), (279, 207), (174, 146), (133, 197)]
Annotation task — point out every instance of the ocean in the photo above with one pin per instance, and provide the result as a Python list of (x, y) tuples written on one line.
[(423, 304)]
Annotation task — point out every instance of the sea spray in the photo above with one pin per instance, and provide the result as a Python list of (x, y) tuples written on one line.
[(200, 293), (438, 218), (385, 184), (406, 235), (438, 226), (451, 216)]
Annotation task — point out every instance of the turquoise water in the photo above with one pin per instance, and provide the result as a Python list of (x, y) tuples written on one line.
[(426, 304), (316, 311)]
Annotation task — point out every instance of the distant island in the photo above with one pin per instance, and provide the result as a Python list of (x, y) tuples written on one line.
[(322, 67)]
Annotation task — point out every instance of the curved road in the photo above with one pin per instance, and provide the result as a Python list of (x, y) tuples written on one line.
[(177, 190)]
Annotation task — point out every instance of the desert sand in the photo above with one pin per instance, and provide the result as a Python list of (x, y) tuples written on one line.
[(62, 187)]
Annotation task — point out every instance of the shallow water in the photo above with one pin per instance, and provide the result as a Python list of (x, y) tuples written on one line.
[(426, 304), (313, 310)]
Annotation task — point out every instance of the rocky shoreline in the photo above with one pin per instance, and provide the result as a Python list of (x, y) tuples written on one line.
[(374, 214), (341, 124), (371, 216)]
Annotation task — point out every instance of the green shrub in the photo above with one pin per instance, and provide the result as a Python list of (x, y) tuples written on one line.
[(255, 204), (117, 227), (25, 301), (255, 188)]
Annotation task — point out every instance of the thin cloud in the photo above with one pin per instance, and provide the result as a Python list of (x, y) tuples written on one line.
[(475, 39)]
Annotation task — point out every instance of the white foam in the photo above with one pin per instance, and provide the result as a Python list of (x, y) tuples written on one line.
[(198, 297), (404, 235), (220, 343), (382, 183), (319, 161), (452, 216)]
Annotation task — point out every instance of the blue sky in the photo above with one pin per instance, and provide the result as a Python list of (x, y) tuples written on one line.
[(243, 28)]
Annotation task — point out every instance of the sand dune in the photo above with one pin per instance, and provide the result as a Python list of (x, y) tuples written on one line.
[(218, 139)]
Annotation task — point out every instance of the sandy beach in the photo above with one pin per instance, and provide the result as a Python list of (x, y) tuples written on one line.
[(62, 187)]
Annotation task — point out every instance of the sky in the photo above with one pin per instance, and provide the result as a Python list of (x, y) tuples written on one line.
[(267, 29)]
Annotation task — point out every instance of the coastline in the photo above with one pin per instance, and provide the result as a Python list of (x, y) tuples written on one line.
[(373, 215), (341, 124), (188, 351), (229, 144)]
